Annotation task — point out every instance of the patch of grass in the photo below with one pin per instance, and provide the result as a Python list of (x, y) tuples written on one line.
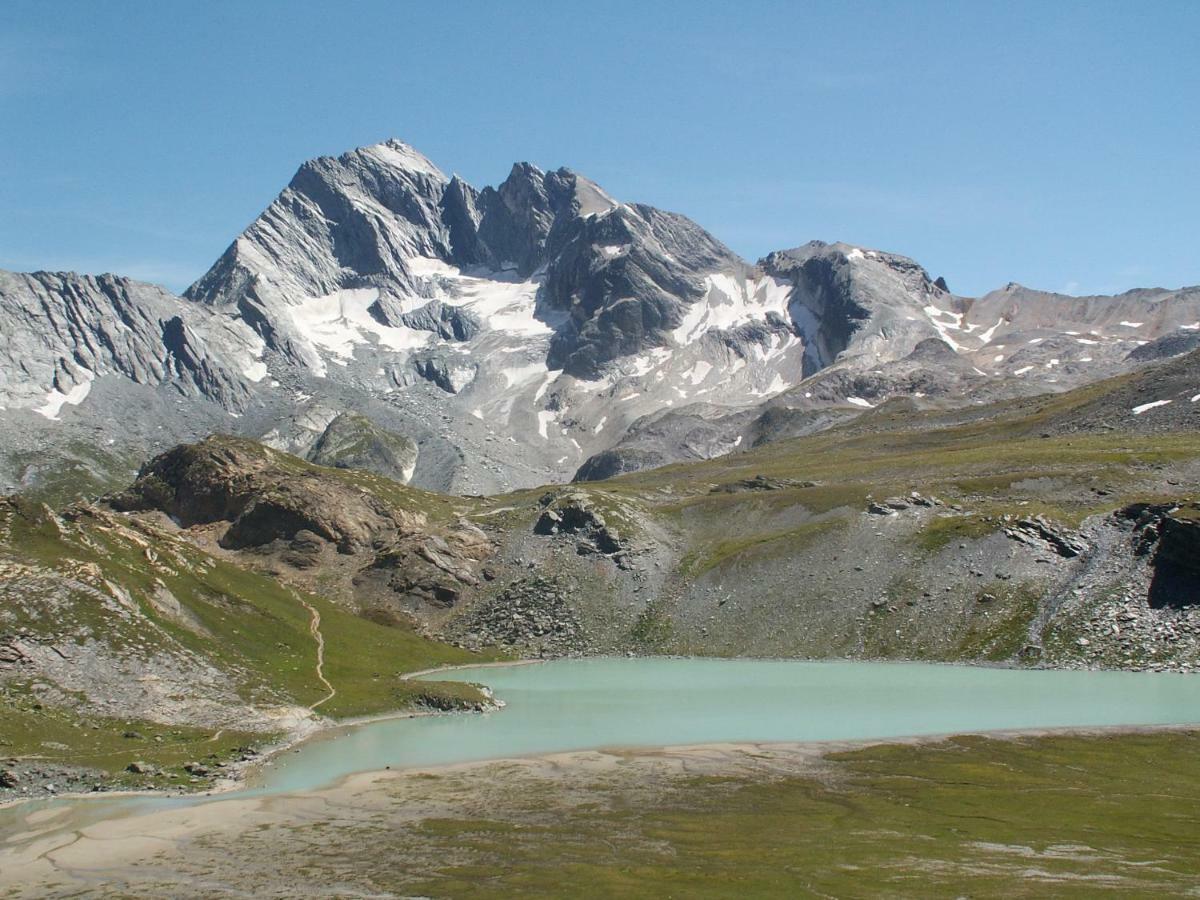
[(999, 626), (653, 629), (36, 733), (1053, 816), (948, 529), (774, 543)]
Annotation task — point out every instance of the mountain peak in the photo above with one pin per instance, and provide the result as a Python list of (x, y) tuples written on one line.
[(397, 154)]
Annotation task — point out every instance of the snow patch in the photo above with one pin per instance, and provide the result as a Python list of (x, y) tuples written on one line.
[(944, 328), (1138, 410), (339, 322), (859, 401), (698, 372), (729, 302), (56, 400), (522, 374)]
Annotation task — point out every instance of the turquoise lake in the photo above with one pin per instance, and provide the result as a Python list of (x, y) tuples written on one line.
[(653, 702), (599, 703)]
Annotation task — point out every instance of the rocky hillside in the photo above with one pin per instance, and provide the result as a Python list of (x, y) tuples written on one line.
[(502, 337), (174, 623), (132, 656)]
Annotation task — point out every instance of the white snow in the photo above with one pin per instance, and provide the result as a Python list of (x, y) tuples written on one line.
[(1132, 324), (1036, 340), (600, 425), (859, 401), (999, 357), (730, 302), (647, 362), (944, 328), (551, 374), (777, 384), (1086, 341), (738, 442), (1022, 370), (522, 374), (698, 372), (1193, 327), (402, 156), (1138, 410), (545, 417), (501, 300), (339, 322), (854, 254), (1194, 399), (477, 413), (56, 400), (1085, 359), (256, 371), (428, 266)]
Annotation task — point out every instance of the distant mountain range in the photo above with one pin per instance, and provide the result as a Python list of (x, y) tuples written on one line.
[(481, 340)]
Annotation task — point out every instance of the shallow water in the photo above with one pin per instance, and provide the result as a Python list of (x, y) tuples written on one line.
[(653, 702), (584, 704)]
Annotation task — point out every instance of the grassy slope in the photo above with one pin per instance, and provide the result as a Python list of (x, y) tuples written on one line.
[(996, 467), (244, 623), (1006, 460)]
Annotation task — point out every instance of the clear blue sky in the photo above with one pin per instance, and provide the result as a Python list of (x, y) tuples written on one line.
[(1052, 143)]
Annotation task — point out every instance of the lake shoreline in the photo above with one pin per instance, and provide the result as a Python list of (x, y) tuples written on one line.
[(52, 845), (239, 776)]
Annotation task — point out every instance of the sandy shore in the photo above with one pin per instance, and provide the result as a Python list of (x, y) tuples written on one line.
[(86, 847), (238, 774)]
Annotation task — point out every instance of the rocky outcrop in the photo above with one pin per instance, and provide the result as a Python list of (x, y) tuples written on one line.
[(263, 495), (448, 322), (1038, 530), (573, 514), (432, 570), (62, 331), (1170, 535), (534, 615), (277, 506), (352, 441)]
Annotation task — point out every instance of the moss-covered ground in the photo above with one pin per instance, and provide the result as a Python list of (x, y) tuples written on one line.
[(967, 817)]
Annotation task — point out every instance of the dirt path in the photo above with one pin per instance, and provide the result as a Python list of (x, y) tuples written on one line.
[(314, 628)]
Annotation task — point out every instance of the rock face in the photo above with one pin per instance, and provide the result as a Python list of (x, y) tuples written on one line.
[(1170, 535), (514, 332), (63, 331), (352, 441), (275, 506)]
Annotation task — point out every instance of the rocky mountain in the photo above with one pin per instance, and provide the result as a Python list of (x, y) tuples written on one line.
[(517, 335)]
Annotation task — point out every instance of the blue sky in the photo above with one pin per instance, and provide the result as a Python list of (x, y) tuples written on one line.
[(1053, 143)]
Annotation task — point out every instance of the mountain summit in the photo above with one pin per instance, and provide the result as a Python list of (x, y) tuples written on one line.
[(510, 334)]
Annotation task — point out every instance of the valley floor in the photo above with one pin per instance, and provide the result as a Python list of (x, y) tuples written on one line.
[(1018, 815)]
